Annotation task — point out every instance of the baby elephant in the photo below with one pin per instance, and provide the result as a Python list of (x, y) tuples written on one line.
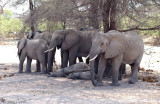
[(32, 49)]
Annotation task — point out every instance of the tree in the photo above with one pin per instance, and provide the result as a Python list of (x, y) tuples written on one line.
[(9, 24), (111, 14)]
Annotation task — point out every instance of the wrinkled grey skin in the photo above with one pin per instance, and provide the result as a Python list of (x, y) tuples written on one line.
[(78, 69), (120, 47), (73, 44), (47, 37), (32, 49)]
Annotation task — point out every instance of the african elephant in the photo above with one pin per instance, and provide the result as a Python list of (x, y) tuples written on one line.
[(32, 49), (64, 72), (73, 44), (47, 37), (118, 47)]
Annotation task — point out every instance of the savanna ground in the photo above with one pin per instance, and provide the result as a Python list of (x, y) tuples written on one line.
[(34, 88)]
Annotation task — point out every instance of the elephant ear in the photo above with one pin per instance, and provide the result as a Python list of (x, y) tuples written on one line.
[(21, 44), (70, 39), (117, 46)]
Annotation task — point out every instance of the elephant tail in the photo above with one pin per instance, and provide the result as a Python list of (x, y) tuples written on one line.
[(21, 44)]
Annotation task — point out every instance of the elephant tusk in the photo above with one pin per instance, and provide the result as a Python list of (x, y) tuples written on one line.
[(93, 58), (87, 57), (49, 50)]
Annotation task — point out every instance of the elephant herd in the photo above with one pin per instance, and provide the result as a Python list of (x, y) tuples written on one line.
[(104, 51)]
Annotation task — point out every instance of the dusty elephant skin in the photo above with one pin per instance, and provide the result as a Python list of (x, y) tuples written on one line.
[(76, 71), (120, 47), (32, 49), (72, 45)]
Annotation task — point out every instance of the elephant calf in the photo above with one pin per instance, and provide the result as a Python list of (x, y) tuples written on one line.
[(32, 49)]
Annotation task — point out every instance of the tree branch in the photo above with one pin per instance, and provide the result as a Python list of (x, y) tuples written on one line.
[(142, 29)]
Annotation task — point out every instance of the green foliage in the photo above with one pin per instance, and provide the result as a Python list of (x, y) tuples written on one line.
[(8, 24), (127, 23), (50, 26)]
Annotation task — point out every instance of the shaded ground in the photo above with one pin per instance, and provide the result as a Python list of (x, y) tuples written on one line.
[(39, 89)]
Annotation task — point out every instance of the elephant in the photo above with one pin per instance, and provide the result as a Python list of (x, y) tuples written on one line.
[(73, 69), (47, 37), (41, 35), (76, 71), (32, 49), (118, 47), (73, 44)]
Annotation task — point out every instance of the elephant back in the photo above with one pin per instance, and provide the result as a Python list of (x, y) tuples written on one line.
[(44, 35)]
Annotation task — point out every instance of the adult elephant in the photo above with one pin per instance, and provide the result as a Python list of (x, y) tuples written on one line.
[(47, 37), (118, 47), (73, 44)]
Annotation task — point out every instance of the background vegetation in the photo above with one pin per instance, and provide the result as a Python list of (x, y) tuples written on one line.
[(50, 15)]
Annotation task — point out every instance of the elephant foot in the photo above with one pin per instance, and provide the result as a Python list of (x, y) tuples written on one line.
[(132, 81), (99, 84), (115, 84), (20, 71), (28, 71), (119, 78)]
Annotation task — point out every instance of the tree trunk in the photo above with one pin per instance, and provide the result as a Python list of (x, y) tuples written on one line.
[(113, 15), (32, 18), (93, 14), (109, 15), (105, 15)]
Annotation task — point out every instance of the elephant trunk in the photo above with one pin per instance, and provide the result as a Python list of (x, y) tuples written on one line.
[(51, 56), (93, 56)]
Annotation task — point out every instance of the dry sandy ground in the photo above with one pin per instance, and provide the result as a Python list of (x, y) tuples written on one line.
[(39, 89)]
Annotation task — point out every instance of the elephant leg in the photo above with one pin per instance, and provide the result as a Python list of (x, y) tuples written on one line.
[(115, 70), (120, 71), (22, 58), (123, 66), (101, 68), (42, 61), (65, 56), (80, 59), (73, 54), (28, 67), (134, 71), (108, 71), (38, 67)]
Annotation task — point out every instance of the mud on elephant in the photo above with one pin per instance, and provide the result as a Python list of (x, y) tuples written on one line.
[(119, 47)]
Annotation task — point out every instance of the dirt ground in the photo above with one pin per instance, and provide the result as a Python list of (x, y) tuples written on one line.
[(34, 88)]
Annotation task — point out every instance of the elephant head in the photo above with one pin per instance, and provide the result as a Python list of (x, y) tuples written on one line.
[(20, 45), (109, 45), (64, 39)]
